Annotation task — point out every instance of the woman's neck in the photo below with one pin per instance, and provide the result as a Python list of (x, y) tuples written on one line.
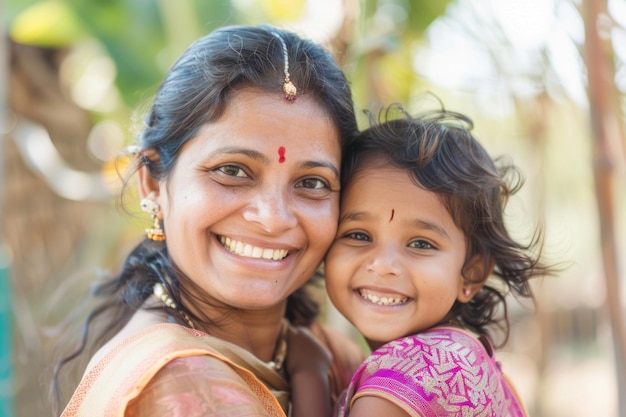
[(256, 331)]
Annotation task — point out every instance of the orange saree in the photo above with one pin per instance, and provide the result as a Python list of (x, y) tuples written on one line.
[(171, 370), (109, 388)]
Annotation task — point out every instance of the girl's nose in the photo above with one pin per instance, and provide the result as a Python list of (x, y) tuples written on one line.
[(385, 262)]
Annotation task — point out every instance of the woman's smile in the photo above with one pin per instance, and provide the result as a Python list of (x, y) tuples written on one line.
[(249, 212), (249, 251)]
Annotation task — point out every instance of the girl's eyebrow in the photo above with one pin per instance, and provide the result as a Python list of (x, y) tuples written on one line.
[(424, 224), (353, 216), (419, 223)]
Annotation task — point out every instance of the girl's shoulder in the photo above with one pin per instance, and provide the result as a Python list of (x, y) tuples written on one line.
[(451, 340), (445, 370)]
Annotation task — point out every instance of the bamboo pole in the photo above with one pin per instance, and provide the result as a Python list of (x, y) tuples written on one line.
[(606, 134)]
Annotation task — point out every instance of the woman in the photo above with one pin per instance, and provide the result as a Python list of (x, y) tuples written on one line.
[(239, 168)]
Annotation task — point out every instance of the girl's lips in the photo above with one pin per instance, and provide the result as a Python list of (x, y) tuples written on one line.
[(383, 299), (249, 251)]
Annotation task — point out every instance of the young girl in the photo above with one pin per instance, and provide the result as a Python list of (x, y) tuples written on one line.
[(421, 266)]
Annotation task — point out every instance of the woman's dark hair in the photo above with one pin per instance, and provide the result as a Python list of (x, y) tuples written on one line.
[(441, 155), (196, 91)]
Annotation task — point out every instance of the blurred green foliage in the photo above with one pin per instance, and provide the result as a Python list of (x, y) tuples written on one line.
[(133, 32), (143, 37)]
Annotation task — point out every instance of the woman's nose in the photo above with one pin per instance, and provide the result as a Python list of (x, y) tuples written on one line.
[(273, 211)]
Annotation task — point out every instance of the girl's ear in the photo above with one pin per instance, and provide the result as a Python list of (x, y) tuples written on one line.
[(476, 273), (149, 187)]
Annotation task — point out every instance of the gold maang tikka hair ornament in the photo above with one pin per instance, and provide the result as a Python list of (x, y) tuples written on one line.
[(289, 89), (152, 207)]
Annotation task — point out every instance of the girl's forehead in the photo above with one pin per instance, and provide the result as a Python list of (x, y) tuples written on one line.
[(376, 165)]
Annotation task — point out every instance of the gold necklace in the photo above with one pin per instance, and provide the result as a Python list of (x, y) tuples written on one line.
[(161, 293), (280, 353)]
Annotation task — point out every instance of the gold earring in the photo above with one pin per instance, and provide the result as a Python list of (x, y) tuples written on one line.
[(152, 207)]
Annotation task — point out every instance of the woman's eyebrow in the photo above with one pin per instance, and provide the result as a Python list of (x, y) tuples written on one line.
[(232, 150), (321, 164), (258, 156)]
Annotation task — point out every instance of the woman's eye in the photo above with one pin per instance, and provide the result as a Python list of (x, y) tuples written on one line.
[(421, 244), (313, 183), (358, 236), (232, 170)]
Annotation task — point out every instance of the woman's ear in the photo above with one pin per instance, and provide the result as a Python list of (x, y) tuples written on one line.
[(149, 186), (476, 273)]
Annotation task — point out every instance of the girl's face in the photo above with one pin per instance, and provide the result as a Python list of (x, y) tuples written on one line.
[(251, 206), (395, 266)]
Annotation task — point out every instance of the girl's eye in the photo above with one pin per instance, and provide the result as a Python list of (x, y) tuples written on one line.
[(313, 183), (358, 236), (232, 170), (421, 244)]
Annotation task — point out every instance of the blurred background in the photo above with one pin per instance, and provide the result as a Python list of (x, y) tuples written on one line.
[(543, 80)]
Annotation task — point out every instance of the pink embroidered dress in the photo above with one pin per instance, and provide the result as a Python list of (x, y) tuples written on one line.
[(441, 372)]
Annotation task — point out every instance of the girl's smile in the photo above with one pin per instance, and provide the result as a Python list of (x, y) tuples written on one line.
[(382, 297), (395, 266)]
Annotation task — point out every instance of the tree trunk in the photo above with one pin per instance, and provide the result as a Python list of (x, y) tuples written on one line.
[(607, 138)]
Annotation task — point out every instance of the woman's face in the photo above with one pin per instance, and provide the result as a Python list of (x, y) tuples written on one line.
[(251, 206)]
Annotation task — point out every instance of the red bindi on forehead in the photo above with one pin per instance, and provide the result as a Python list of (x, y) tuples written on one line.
[(281, 154)]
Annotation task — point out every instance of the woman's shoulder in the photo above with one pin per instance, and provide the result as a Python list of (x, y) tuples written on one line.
[(196, 385), (137, 326), (147, 364), (122, 367)]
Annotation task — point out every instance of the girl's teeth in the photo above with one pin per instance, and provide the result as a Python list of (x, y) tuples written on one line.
[(249, 251), (383, 301)]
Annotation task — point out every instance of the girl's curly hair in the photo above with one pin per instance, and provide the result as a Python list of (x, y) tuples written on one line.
[(441, 155)]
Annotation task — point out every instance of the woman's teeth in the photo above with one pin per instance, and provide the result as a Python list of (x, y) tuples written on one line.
[(249, 251), (383, 301)]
